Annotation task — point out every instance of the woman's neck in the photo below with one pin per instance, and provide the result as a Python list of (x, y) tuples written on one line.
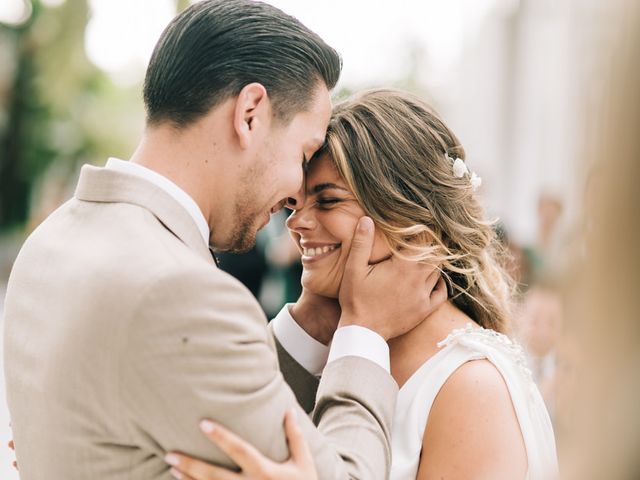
[(411, 350)]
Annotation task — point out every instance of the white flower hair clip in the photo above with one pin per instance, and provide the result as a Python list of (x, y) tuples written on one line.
[(460, 170), (476, 181)]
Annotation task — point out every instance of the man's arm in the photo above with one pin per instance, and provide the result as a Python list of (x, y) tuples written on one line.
[(302, 382), (252, 463), (198, 348), (303, 342)]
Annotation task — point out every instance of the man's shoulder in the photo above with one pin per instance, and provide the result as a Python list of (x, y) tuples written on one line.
[(198, 300), (124, 250)]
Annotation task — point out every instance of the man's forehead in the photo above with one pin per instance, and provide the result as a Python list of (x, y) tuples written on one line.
[(314, 128), (314, 122), (322, 107)]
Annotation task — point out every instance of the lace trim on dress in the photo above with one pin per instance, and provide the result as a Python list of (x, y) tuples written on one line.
[(469, 334)]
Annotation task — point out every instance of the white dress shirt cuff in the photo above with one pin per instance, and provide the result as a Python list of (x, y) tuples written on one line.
[(302, 347), (360, 342)]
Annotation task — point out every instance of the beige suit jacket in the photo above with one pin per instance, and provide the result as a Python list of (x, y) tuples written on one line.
[(121, 334)]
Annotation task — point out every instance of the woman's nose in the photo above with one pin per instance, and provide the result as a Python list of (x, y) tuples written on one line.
[(301, 219)]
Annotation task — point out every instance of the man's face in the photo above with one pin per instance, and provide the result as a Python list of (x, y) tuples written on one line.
[(276, 172)]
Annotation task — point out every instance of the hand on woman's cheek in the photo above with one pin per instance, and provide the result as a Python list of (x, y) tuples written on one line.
[(380, 250)]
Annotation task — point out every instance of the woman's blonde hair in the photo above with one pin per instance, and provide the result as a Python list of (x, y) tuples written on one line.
[(392, 150)]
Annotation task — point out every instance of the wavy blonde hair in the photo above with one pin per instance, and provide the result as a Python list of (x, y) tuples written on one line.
[(391, 148)]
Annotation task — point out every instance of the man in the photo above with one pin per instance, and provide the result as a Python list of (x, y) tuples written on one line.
[(121, 333)]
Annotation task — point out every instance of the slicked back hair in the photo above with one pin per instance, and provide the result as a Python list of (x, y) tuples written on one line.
[(214, 48)]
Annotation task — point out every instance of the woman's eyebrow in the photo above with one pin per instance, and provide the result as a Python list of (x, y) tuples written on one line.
[(324, 186)]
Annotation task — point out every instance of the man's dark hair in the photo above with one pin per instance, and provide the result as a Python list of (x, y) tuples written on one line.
[(214, 48)]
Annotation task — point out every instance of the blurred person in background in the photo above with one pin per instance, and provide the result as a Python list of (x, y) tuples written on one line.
[(543, 255), (121, 334), (538, 318), (468, 407), (539, 326), (516, 261)]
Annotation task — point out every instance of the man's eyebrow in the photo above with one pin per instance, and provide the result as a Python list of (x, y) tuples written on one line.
[(325, 186)]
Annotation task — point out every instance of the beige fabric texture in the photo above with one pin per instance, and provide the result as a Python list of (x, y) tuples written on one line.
[(121, 334)]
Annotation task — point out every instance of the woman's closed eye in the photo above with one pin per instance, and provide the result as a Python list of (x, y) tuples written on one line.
[(326, 203)]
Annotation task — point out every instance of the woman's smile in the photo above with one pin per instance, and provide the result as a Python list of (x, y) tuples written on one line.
[(313, 252)]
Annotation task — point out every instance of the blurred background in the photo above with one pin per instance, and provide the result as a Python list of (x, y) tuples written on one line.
[(521, 82)]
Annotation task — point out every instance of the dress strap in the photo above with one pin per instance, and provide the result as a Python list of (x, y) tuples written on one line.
[(414, 404)]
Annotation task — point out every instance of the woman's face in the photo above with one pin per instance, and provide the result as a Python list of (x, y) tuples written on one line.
[(324, 227)]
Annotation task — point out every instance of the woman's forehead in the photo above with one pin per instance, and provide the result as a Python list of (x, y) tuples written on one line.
[(323, 175), (322, 167)]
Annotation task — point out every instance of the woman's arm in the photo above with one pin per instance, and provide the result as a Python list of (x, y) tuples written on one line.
[(254, 466), (473, 431)]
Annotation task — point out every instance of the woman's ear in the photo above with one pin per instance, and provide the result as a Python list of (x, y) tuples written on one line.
[(252, 112)]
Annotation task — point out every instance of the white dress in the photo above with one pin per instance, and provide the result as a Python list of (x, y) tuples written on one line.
[(417, 395)]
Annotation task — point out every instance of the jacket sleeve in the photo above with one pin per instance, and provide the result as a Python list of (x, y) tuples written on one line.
[(198, 347), (303, 383)]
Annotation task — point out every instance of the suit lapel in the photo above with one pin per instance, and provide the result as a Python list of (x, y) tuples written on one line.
[(109, 186)]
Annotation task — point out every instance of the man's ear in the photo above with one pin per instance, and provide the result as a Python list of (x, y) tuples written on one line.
[(252, 112)]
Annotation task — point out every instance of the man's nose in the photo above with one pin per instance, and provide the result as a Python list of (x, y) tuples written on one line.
[(297, 201)]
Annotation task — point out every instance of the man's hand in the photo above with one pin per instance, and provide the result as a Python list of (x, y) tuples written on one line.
[(390, 297), (317, 315), (252, 463)]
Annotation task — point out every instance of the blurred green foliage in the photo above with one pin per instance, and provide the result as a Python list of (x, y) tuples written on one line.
[(57, 111)]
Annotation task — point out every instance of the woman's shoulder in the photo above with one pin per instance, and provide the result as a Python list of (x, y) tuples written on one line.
[(473, 424), (476, 391)]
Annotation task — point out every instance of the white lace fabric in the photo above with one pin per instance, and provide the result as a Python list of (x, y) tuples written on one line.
[(418, 394)]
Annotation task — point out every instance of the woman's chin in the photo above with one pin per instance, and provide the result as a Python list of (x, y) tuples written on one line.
[(317, 288)]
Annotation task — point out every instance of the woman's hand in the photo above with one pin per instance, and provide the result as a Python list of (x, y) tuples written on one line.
[(317, 315), (253, 464), (390, 297), (12, 446)]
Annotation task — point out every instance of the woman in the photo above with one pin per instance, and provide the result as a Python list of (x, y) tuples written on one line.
[(467, 407)]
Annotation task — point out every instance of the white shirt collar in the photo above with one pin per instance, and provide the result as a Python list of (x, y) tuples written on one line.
[(168, 186)]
